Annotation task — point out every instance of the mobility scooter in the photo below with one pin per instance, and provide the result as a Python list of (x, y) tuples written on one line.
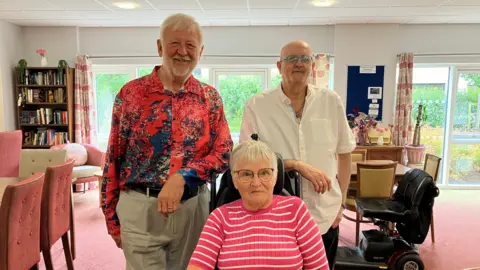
[(410, 210)]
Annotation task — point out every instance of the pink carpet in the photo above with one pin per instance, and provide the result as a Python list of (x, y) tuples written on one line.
[(456, 227)]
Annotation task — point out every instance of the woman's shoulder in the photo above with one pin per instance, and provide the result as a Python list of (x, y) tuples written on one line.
[(229, 207), (292, 201)]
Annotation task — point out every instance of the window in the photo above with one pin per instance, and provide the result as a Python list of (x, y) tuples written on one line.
[(235, 88), (430, 85), (451, 97), (107, 84)]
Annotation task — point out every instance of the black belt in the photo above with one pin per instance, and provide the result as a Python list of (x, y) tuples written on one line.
[(153, 192)]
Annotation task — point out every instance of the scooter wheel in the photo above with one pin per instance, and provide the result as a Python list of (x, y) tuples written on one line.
[(409, 262)]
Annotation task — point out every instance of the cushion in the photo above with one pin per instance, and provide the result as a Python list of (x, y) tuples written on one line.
[(78, 152), (85, 171)]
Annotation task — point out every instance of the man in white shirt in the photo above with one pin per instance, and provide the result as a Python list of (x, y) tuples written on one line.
[(308, 126)]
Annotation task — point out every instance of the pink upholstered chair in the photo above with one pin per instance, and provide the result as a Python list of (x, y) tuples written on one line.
[(20, 224), (55, 212), (10, 148), (88, 160)]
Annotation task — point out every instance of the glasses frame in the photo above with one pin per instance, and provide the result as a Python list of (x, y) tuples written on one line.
[(293, 59), (255, 173)]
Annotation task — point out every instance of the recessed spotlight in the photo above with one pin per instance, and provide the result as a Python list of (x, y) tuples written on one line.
[(322, 3), (125, 5)]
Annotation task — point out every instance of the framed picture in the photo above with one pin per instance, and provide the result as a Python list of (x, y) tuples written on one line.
[(374, 92)]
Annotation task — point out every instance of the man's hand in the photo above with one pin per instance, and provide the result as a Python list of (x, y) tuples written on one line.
[(337, 220), (171, 194), (118, 240), (320, 181)]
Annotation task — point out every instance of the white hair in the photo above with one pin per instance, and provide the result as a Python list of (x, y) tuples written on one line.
[(252, 151), (181, 22)]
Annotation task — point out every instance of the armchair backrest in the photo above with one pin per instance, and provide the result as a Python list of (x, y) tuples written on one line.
[(37, 160)]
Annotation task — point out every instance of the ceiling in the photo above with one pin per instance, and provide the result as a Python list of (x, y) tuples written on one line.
[(238, 12)]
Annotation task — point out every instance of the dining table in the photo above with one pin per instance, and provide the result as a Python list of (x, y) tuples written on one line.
[(400, 170)]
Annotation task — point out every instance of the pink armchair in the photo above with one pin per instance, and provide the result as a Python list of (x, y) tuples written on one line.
[(89, 159), (10, 148)]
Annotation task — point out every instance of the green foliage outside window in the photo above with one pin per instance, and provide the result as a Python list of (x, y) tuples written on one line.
[(466, 121), (235, 90)]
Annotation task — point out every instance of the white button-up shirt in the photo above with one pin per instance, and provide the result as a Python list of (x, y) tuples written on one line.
[(316, 139)]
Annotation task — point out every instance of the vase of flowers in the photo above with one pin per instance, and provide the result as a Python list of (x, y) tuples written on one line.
[(360, 122), (43, 61)]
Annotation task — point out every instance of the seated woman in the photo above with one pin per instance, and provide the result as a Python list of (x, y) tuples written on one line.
[(261, 230)]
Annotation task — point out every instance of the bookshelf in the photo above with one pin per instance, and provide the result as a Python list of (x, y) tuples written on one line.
[(45, 106)]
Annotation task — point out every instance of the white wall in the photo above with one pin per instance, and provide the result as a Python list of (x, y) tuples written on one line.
[(217, 40), (367, 45), (60, 43), (379, 45), (11, 51), (350, 44)]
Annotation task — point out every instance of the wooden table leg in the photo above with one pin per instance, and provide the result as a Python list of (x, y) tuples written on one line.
[(72, 226)]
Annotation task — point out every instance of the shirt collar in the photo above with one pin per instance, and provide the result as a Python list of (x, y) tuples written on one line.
[(192, 85), (285, 100)]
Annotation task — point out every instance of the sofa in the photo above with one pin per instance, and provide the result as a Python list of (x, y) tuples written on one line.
[(89, 160)]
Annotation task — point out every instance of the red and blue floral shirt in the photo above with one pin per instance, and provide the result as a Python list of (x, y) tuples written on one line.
[(156, 133)]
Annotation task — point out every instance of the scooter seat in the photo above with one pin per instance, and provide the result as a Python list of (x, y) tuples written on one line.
[(387, 210)]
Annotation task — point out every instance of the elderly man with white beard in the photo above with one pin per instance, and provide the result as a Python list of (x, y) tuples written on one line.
[(168, 135)]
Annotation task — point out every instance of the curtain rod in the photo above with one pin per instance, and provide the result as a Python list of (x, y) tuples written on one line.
[(444, 54), (203, 56)]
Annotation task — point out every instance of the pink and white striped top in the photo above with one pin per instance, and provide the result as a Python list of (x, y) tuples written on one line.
[(282, 236)]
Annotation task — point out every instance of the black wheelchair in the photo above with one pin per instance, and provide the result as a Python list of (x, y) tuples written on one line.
[(288, 184), (410, 209)]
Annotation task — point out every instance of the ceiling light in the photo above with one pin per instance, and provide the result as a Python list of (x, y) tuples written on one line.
[(322, 3), (125, 5)]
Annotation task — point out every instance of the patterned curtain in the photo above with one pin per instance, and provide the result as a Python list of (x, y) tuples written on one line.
[(85, 111), (402, 131), (320, 76)]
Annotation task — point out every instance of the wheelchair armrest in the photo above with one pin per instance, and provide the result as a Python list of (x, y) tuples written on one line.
[(297, 182), (213, 191)]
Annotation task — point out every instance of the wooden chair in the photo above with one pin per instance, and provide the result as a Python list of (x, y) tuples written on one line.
[(10, 148), (373, 181), (359, 155), (432, 166), (20, 224), (56, 209)]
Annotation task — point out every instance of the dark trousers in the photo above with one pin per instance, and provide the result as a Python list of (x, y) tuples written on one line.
[(330, 241)]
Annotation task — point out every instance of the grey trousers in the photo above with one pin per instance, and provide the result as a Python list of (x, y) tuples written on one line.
[(152, 242)]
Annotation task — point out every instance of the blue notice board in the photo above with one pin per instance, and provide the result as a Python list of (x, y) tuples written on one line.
[(359, 80)]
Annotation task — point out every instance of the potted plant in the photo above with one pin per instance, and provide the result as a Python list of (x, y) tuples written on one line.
[(416, 151)]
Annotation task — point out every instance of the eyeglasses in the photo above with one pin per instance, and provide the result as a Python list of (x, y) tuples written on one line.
[(293, 59), (246, 176)]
